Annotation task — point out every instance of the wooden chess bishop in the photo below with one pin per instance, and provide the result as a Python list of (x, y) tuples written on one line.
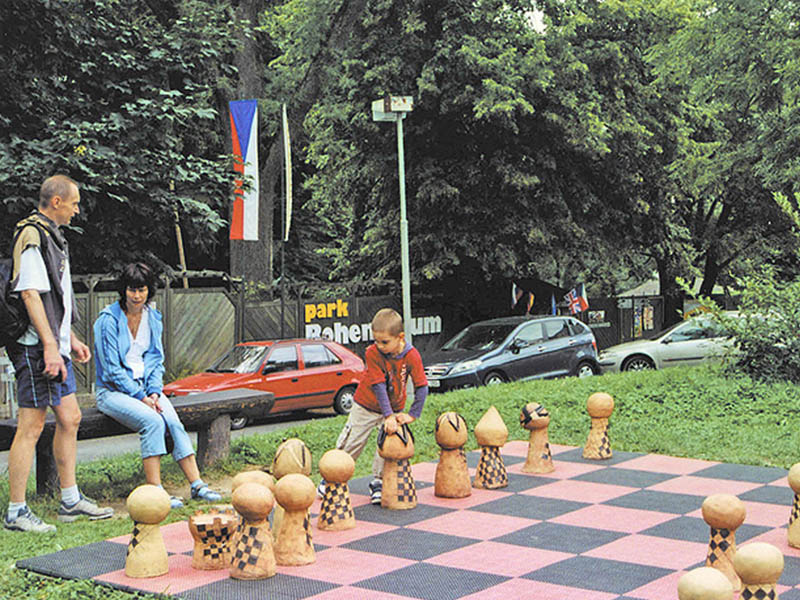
[(147, 505), (452, 474), (535, 418), (336, 511), (723, 513), (295, 492), (598, 444), (491, 434), (399, 489), (253, 557), (212, 531)]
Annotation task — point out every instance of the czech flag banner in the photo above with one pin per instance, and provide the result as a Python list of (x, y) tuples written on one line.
[(244, 129)]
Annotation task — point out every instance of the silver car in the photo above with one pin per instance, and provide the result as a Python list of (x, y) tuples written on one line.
[(686, 343)]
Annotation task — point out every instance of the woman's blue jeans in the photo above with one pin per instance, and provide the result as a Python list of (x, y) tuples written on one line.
[(151, 425)]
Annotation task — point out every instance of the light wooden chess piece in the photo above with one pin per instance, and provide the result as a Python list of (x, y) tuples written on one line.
[(491, 434), (794, 516), (452, 473), (759, 565), (535, 418), (723, 513), (212, 533), (704, 583), (147, 505), (295, 492), (291, 456), (399, 489), (598, 444), (336, 511), (253, 556), (252, 476)]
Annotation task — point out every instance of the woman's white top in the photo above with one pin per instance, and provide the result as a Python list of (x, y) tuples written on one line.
[(139, 344)]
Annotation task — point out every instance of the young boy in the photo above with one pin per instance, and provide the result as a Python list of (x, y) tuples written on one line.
[(381, 394)]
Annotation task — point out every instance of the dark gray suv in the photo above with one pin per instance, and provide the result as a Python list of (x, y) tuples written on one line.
[(511, 349)]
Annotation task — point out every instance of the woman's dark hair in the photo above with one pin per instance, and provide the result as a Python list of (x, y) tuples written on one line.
[(136, 275)]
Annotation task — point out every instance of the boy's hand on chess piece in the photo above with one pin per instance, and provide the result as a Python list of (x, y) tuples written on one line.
[(390, 424), (404, 419)]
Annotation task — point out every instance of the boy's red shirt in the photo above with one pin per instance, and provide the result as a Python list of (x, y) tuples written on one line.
[(394, 371)]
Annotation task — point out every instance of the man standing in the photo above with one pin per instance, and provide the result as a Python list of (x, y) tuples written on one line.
[(41, 357)]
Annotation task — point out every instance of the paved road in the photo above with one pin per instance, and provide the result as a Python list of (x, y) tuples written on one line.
[(89, 450)]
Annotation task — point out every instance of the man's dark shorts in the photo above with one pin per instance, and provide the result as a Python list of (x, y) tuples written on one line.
[(34, 388)]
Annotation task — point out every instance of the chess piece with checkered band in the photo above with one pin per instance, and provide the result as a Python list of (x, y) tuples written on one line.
[(291, 456), (704, 583), (336, 511), (147, 505), (295, 492), (399, 489), (253, 557), (794, 516), (491, 434), (212, 531), (452, 473), (723, 513), (250, 476), (759, 565), (535, 418), (598, 444)]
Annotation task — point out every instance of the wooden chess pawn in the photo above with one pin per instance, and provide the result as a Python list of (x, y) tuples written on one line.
[(723, 513), (452, 473), (147, 505), (598, 444), (295, 492), (253, 557), (704, 583), (759, 565), (336, 511), (399, 489), (291, 456), (794, 516), (491, 433), (212, 533), (251, 476), (535, 418)]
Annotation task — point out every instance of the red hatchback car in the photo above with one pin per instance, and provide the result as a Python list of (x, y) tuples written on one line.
[(302, 373)]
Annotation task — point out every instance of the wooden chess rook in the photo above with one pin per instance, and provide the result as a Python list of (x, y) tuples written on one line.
[(598, 444), (147, 505), (295, 492), (794, 516), (491, 434), (759, 566), (452, 474), (336, 511), (704, 583), (399, 489), (212, 531), (253, 557), (535, 418), (291, 456), (723, 513)]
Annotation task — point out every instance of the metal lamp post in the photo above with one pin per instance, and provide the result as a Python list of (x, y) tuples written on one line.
[(395, 108)]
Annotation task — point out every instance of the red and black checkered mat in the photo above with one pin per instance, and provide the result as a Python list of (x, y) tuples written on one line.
[(621, 529)]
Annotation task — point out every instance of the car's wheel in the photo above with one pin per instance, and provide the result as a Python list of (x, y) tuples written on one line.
[(638, 362), (239, 421), (585, 369), (494, 378), (344, 400)]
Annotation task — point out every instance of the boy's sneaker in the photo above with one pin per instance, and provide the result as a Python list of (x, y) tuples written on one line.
[(321, 488), (27, 521), (175, 502), (203, 492), (85, 507), (375, 491)]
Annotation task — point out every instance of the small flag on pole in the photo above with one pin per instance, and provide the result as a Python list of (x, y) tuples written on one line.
[(244, 131), (553, 309), (576, 299), (516, 294), (287, 157), (530, 302)]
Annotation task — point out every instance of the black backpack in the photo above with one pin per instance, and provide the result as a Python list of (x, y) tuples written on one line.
[(13, 316)]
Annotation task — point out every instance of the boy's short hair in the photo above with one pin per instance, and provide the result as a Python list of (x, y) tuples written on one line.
[(387, 320)]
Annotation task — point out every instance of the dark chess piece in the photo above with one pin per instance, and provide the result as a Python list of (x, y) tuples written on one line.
[(336, 511), (253, 557), (147, 505), (535, 418), (723, 513), (212, 531), (598, 444), (491, 434), (399, 489), (759, 566)]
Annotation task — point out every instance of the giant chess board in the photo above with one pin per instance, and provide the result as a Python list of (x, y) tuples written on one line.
[(618, 529)]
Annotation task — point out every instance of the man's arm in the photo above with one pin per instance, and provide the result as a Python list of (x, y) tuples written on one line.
[(53, 362)]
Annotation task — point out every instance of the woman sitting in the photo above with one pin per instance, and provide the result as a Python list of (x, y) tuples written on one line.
[(129, 358)]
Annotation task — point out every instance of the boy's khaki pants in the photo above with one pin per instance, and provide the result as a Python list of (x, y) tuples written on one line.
[(355, 434)]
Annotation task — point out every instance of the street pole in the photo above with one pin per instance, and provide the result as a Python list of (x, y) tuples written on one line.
[(404, 253)]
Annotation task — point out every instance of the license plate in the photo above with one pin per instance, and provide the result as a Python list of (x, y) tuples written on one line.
[(434, 383)]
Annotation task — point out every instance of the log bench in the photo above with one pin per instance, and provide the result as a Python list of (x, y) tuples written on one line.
[(207, 413)]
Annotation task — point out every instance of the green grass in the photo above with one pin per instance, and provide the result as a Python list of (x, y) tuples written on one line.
[(698, 413)]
